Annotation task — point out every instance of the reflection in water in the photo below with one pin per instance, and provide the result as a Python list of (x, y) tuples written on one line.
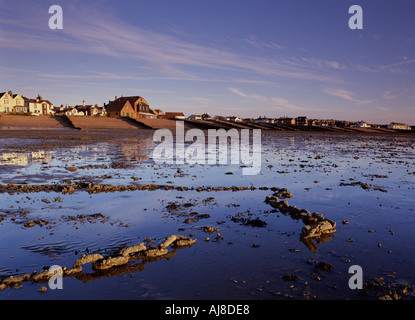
[(311, 243), (24, 159), (135, 149)]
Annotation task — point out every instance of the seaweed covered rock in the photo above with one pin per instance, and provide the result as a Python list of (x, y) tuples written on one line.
[(321, 228)]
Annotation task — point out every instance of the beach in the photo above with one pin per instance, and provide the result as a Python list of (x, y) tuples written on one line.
[(68, 195)]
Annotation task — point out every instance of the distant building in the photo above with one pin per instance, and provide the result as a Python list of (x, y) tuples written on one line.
[(102, 111), (399, 126), (286, 120), (264, 120), (133, 107), (39, 106), (195, 117), (10, 102), (235, 119), (361, 124), (72, 111), (174, 115), (301, 121), (206, 116), (159, 113), (88, 110), (341, 123)]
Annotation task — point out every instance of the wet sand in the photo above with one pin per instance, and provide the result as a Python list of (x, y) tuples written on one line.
[(69, 193)]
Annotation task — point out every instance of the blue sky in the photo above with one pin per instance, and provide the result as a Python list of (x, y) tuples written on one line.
[(247, 58)]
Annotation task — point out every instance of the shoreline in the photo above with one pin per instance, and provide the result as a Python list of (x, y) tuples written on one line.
[(33, 123)]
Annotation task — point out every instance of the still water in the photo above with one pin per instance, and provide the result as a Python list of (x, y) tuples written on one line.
[(365, 183)]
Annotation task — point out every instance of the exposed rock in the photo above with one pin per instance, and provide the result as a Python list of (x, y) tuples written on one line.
[(101, 264), (323, 227), (86, 259), (132, 249), (156, 252), (210, 229), (323, 267), (290, 277), (381, 290)]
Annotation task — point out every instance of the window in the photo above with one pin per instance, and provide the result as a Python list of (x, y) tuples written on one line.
[(6, 101)]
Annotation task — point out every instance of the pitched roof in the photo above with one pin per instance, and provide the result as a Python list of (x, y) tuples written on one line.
[(180, 114), (34, 100), (117, 104), (132, 98)]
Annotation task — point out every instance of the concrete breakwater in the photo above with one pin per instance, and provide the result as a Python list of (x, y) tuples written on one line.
[(11, 122)]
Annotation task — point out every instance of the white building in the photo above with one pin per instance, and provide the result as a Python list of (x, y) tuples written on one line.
[(39, 106), (10, 102), (361, 124), (195, 117), (399, 126)]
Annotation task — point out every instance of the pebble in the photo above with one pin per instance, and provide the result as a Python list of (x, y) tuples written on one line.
[(43, 289)]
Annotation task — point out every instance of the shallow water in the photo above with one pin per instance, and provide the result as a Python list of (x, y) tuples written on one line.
[(244, 262)]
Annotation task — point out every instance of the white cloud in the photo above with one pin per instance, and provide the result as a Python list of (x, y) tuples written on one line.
[(398, 64), (346, 95), (388, 95), (280, 103), (324, 64), (248, 96), (277, 103), (256, 43)]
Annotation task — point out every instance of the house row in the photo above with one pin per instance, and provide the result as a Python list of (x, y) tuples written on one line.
[(138, 108), (132, 106), (302, 121), (205, 116), (82, 110), (15, 103)]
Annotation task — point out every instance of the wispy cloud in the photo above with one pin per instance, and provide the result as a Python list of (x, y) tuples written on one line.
[(248, 96), (324, 64), (388, 95), (167, 54), (347, 95), (258, 44), (199, 100), (284, 104), (398, 64), (276, 103)]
